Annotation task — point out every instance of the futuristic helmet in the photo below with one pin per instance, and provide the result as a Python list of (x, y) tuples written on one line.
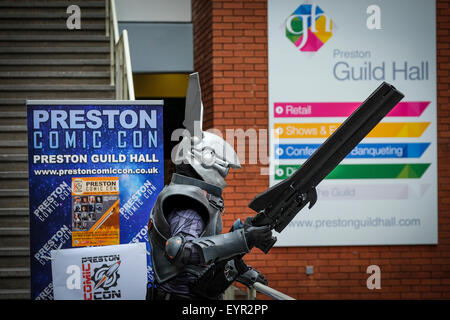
[(209, 155)]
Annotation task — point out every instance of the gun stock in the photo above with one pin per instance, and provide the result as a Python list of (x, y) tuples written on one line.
[(279, 204)]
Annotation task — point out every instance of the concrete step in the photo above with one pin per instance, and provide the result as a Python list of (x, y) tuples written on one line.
[(14, 198), (12, 114), (14, 218), (51, 4), (85, 52), (43, 66), (14, 237), (14, 278), (14, 134), (9, 150), (69, 91), (12, 117), (54, 68), (52, 26), (12, 105), (13, 143), (57, 22), (77, 50), (13, 175), (67, 40), (13, 108), (60, 95), (8, 193), (53, 38), (58, 56), (16, 128), (14, 184), (9, 214), (14, 272), (57, 62), (16, 212), (55, 74), (52, 32), (15, 257), (13, 162), (14, 294), (18, 232), (53, 12), (54, 81), (13, 158), (49, 87), (14, 251), (13, 150), (49, 43), (13, 179), (9, 102), (26, 14)]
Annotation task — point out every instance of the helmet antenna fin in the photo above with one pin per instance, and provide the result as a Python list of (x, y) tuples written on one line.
[(193, 113)]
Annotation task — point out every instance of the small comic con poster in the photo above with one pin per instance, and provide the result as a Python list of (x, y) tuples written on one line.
[(95, 171), (95, 211)]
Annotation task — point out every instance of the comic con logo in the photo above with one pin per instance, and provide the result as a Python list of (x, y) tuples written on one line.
[(77, 186), (106, 276), (100, 277), (308, 28)]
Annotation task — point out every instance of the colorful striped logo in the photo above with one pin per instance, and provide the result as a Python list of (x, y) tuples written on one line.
[(324, 130), (296, 150), (341, 109), (364, 171), (361, 151)]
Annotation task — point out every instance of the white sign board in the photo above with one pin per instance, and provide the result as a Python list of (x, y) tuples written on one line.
[(325, 58), (117, 272)]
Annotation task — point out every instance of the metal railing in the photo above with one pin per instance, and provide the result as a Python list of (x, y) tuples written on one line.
[(120, 67), (268, 291), (234, 293)]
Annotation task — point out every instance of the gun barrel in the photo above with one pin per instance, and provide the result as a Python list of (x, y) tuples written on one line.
[(327, 156), (348, 135)]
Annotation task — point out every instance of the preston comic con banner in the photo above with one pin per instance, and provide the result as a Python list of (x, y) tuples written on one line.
[(95, 170)]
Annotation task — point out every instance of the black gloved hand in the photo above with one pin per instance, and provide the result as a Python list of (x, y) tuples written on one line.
[(251, 276), (256, 236), (261, 278)]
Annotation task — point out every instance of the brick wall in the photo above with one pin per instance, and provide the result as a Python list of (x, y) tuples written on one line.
[(202, 15), (230, 43)]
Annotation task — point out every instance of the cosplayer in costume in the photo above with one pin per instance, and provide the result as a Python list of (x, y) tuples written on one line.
[(191, 257)]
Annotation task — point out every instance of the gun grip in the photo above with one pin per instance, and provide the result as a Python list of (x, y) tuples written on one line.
[(269, 245)]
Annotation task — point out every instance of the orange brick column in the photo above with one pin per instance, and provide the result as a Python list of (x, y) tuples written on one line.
[(230, 53)]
